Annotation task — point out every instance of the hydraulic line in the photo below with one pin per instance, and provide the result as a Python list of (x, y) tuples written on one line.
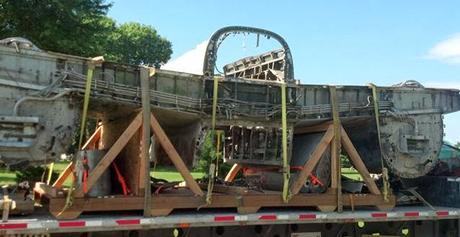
[(26, 98)]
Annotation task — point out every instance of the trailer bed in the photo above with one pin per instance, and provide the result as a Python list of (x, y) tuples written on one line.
[(45, 223)]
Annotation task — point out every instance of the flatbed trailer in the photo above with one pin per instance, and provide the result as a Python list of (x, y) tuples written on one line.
[(401, 221)]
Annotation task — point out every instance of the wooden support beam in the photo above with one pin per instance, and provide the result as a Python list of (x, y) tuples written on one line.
[(233, 172), (168, 147), (144, 180), (93, 140), (312, 161), (358, 163), (105, 162), (312, 129), (336, 149), (163, 204), (64, 175)]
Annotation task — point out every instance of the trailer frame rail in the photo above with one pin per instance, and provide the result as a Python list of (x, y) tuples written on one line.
[(93, 223)]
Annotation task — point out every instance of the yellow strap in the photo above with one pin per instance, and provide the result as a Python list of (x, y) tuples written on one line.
[(214, 102), (286, 171), (212, 167), (50, 173), (386, 184), (212, 171), (89, 79), (219, 152)]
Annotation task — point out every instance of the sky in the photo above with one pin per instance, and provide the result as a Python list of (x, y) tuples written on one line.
[(332, 42)]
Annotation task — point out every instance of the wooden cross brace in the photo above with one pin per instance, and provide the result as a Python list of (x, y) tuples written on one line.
[(92, 143), (118, 146), (322, 146)]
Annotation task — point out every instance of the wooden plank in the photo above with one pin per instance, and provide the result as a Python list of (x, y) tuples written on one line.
[(64, 175), (145, 141), (312, 129), (233, 172), (312, 161), (105, 162), (168, 147), (358, 163), (93, 140)]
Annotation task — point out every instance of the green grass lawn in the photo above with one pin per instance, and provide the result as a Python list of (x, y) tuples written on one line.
[(7, 177), (168, 173), (351, 173)]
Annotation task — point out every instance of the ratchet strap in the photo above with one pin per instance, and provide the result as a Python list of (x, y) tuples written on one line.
[(286, 169), (121, 180), (212, 166), (50, 173), (89, 78), (386, 184)]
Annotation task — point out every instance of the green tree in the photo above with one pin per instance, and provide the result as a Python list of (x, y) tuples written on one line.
[(75, 27), (135, 43), (81, 27)]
